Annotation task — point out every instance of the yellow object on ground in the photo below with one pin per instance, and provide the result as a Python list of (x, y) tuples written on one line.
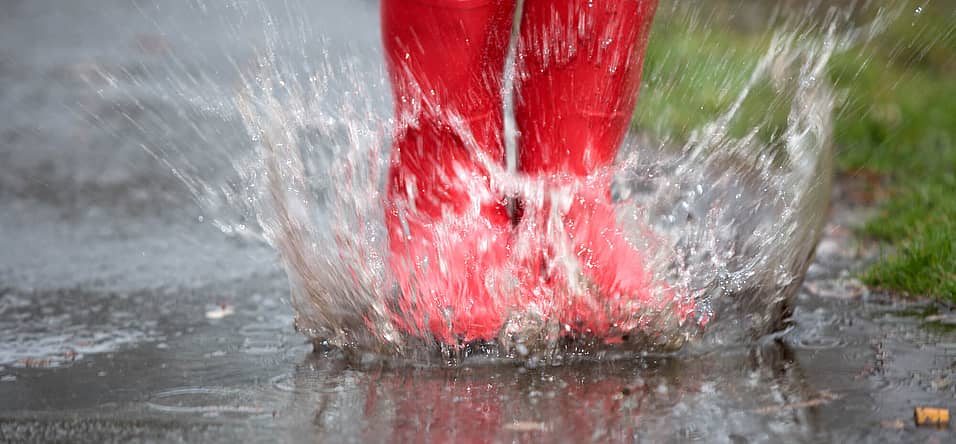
[(932, 416)]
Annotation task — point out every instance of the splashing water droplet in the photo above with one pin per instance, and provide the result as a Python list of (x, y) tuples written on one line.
[(727, 222)]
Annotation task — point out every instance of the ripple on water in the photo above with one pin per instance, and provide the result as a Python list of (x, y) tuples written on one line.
[(265, 337), (55, 329), (284, 382), (208, 401), (820, 342)]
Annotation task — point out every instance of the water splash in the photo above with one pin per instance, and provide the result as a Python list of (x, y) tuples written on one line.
[(730, 222)]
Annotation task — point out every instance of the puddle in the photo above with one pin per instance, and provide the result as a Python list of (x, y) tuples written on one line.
[(55, 330)]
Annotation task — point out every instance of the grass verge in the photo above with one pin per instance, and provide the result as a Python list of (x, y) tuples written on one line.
[(896, 119)]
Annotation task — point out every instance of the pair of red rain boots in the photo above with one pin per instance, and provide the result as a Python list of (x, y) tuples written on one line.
[(578, 73)]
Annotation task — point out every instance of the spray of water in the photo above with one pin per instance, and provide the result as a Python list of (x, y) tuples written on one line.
[(728, 223)]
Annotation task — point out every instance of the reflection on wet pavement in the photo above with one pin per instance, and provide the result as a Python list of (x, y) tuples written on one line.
[(805, 386), (850, 368)]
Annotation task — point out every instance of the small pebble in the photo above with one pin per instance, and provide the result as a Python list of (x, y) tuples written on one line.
[(220, 312), (941, 383), (948, 319), (895, 424), (526, 426)]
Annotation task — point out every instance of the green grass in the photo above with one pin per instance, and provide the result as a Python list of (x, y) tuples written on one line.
[(692, 75), (896, 118)]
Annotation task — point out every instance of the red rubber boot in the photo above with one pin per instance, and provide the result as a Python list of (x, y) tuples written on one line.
[(448, 229), (579, 73)]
